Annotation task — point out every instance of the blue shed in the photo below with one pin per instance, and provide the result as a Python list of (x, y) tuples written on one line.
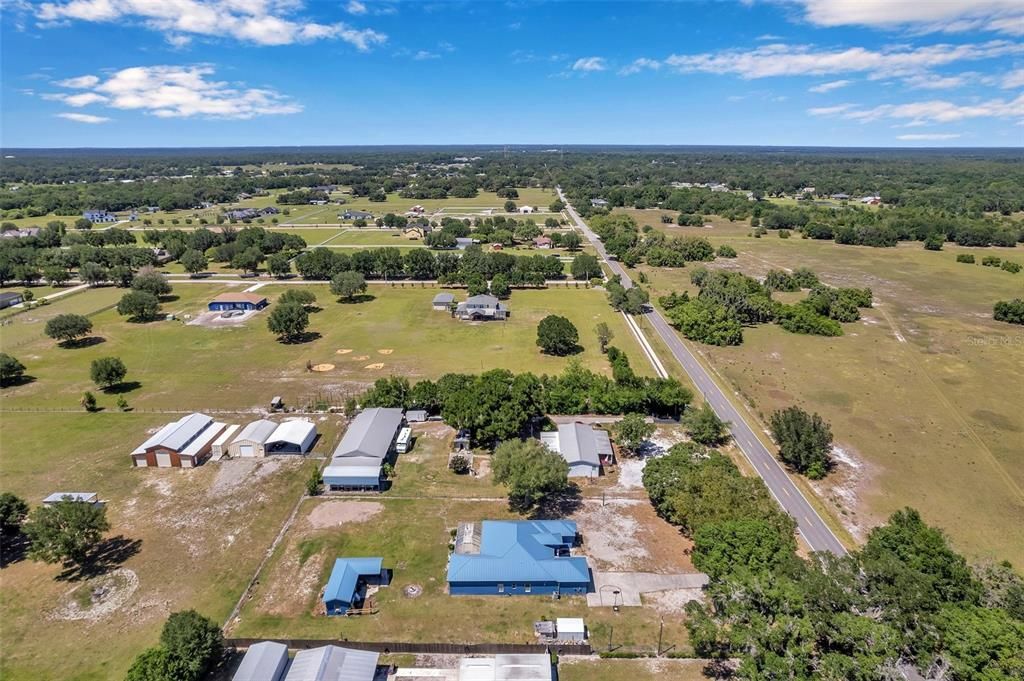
[(238, 301), (517, 557), (347, 581)]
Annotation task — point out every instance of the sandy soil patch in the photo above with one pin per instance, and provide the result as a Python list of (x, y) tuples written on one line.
[(627, 535), (335, 513), (378, 365), (323, 367), (232, 473), (845, 487), (343, 351), (361, 358), (98, 597), (672, 602), (385, 351)]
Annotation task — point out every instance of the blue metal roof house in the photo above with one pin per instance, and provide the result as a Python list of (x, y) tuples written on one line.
[(347, 580), (517, 557)]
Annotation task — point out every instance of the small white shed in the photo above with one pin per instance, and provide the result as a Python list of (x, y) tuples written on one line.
[(220, 446), (250, 441), (571, 629)]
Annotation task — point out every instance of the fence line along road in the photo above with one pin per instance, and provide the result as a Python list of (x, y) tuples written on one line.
[(817, 534)]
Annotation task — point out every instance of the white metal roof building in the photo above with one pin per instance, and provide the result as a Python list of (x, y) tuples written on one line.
[(183, 443), (570, 629), (250, 441), (220, 446), (357, 460), (333, 663), (506, 668), (291, 437), (264, 661), (582, 446), (87, 497)]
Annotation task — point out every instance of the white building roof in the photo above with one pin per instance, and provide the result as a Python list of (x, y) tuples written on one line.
[(368, 437), (176, 434), (333, 663), (579, 443), (296, 431), (343, 471), (264, 661), (205, 438), (257, 431), (570, 625), (228, 432), (91, 497), (506, 668)]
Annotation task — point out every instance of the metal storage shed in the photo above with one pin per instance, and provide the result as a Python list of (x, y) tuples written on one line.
[(524, 667), (182, 443), (264, 661), (347, 579), (352, 477), (220, 446), (571, 629), (357, 460), (291, 437), (333, 663), (250, 441)]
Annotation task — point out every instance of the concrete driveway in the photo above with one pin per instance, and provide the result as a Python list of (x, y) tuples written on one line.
[(630, 585)]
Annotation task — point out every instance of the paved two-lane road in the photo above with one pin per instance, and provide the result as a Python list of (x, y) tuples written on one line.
[(810, 525)]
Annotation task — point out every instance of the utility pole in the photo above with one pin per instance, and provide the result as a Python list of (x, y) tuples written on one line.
[(661, 631)]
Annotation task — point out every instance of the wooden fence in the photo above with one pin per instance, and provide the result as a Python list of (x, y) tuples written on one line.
[(388, 647)]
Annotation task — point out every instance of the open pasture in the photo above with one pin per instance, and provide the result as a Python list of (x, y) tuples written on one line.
[(921, 392)]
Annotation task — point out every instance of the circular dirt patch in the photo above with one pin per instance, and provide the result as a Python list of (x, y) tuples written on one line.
[(412, 590), (323, 367), (344, 351), (361, 358), (379, 365), (385, 351), (98, 597)]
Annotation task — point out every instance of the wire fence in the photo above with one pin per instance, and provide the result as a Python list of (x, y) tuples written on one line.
[(389, 647)]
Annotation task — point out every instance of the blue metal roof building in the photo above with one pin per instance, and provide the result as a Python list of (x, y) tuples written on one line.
[(347, 579), (517, 557)]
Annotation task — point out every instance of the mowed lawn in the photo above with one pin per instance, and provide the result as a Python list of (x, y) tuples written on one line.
[(412, 536), (182, 366), (193, 539), (923, 393)]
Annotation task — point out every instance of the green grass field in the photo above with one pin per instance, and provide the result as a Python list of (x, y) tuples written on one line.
[(587, 669), (919, 393)]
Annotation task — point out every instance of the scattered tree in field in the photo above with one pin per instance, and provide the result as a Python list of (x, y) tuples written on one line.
[(152, 664), (13, 511), (88, 401), (68, 328), (604, 335), (313, 483), (726, 251), (632, 431), (585, 266), (530, 471), (140, 306), (288, 321), (556, 206), (65, 532), (11, 370), (298, 296), (82, 223), (805, 441), (1009, 311), (278, 265), (556, 335), (704, 426), (706, 321), (348, 284), (500, 287), (459, 464), (122, 403), (571, 241), (510, 206), (92, 274), (193, 261), (151, 281), (106, 372)]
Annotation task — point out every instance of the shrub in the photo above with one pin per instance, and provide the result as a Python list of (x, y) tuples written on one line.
[(1010, 266), (990, 261), (967, 258), (726, 251), (1009, 311)]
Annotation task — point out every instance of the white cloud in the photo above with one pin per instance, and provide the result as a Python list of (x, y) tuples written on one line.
[(175, 92), (80, 82), (915, 137), (932, 111), (807, 60), (639, 65), (515, 26), (1004, 16), (588, 64), (355, 7), (1013, 79), (262, 22), (423, 55), (931, 81), (178, 40), (83, 118), (830, 86), (768, 37)]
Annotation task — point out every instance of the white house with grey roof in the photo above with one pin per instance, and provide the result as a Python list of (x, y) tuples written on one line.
[(184, 443), (359, 457), (250, 441), (583, 447), (483, 306)]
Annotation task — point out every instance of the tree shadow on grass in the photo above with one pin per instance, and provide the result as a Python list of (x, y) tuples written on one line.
[(104, 557), (355, 300), (561, 505), (122, 388), (575, 350), (12, 549), (87, 342), (24, 379), (299, 339), (169, 298)]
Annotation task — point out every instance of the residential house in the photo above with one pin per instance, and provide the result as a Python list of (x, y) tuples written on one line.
[(443, 302), (238, 301), (347, 584), (184, 443), (840, 197), (291, 437), (250, 442), (542, 242), (20, 233), (9, 299), (517, 557), (263, 661), (507, 667), (599, 203), (359, 457), (95, 216), (482, 306), (526, 210), (356, 215), (464, 242), (333, 663), (583, 447)]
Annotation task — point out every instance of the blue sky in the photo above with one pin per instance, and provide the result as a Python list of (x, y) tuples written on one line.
[(125, 73)]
